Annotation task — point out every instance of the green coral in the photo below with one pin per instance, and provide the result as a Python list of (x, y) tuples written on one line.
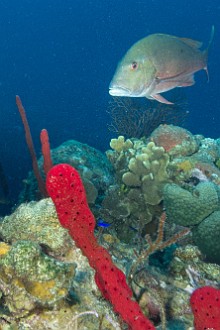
[(38, 222), (189, 207), (29, 278), (206, 237)]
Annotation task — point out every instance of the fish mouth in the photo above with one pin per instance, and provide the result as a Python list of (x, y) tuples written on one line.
[(115, 90)]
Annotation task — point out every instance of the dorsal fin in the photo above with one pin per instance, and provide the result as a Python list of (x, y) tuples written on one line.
[(192, 43)]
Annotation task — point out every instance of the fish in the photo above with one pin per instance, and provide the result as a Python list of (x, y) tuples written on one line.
[(159, 63), (103, 223)]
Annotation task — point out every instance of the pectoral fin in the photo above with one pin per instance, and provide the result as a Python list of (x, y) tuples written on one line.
[(187, 81), (160, 99)]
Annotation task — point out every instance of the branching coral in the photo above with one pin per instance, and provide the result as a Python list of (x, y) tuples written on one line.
[(142, 165), (158, 244)]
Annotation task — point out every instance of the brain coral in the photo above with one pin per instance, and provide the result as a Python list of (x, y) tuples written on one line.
[(38, 222), (206, 237), (95, 169), (188, 208)]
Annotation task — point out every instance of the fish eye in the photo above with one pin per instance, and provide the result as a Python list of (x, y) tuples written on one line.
[(134, 65)]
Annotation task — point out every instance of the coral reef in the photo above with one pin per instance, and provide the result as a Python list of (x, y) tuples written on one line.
[(147, 164), (190, 270), (46, 282), (175, 140), (142, 169), (197, 208), (187, 272), (173, 169), (188, 207), (37, 222), (141, 165), (80, 309), (30, 279), (206, 237), (94, 168), (148, 170), (135, 117)]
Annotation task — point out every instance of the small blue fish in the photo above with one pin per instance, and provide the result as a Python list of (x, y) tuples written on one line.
[(132, 228), (102, 223)]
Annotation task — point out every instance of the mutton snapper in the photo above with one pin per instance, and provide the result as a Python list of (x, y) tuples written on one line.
[(158, 63)]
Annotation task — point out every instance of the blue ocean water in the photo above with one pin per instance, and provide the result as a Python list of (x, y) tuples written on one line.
[(60, 56)]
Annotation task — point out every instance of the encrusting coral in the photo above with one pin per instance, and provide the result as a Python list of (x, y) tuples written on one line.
[(29, 278), (41, 220), (176, 140)]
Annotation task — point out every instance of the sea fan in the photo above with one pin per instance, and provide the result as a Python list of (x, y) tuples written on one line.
[(138, 117)]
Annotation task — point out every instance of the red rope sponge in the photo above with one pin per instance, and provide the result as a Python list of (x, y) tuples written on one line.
[(65, 187), (205, 304), (30, 145), (45, 148)]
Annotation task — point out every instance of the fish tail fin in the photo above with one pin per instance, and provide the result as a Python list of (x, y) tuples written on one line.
[(206, 51), (211, 36)]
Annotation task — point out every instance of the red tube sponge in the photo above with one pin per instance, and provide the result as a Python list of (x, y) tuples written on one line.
[(65, 187), (45, 148), (205, 304)]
